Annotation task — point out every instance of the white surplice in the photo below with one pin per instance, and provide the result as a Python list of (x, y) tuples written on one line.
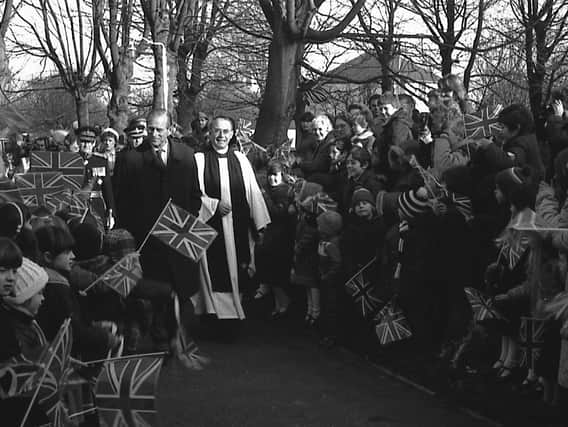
[(227, 305)]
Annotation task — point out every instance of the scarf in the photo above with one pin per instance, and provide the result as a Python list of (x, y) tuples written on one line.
[(239, 204)]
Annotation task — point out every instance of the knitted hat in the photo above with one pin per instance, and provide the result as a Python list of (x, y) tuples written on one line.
[(362, 195), (512, 180), (118, 242), (309, 189), (330, 223), (411, 204), (88, 241), (30, 279), (110, 131)]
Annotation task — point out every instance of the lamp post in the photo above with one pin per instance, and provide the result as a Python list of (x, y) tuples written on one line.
[(164, 67)]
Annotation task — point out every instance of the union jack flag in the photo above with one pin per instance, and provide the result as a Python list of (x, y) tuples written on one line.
[(125, 392), (531, 340), (529, 220), (513, 245), (362, 290), (71, 166), (484, 125), (37, 188), (482, 308), (319, 203), (124, 275), (463, 205), (71, 201), (244, 134), (54, 363), (183, 232), (15, 376), (391, 324), (284, 154), (9, 192)]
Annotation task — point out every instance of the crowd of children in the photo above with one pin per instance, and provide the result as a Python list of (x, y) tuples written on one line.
[(436, 212)]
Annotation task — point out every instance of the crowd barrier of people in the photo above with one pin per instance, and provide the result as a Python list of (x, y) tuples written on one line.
[(380, 206)]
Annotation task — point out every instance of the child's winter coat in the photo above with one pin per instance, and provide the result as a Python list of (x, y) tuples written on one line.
[(274, 254)]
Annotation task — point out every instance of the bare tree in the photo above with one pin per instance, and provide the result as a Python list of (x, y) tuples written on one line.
[(543, 25), (119, 39), (290, 22), (62, 33), (381, 34), (167, 20), (205, 20), (7, 11), (455, 28)]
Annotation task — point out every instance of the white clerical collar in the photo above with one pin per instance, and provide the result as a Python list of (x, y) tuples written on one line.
[(222, 152)]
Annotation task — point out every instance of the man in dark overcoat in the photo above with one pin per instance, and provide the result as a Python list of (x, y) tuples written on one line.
[(145, 179)]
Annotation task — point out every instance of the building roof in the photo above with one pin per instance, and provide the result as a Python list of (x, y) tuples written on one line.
[(366, 68)]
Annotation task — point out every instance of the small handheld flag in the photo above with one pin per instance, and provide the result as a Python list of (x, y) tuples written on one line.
[(183, 232), (483, 125), (391, 324), (125, 392)]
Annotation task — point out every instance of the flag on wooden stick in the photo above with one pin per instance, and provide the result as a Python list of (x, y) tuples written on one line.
[(9, 192), (123, 276), (391, 324), (183, 232), (529, 220), (484, 124), (531, 334), (49, 381), (37, 188), (125, 392), (70, 165), (482, 307), (362, 289)]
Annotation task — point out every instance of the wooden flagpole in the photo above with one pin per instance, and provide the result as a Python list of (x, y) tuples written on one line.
[(362, 269), (132, 356), (154, 226)]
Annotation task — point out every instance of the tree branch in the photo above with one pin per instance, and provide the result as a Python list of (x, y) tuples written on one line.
[(313, 36)]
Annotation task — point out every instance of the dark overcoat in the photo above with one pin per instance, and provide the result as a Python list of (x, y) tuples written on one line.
[(143, 186)]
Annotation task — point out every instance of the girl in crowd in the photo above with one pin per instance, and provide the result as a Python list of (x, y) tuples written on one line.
[(21, 292), (62, 301), (274, 253), (305, 265)]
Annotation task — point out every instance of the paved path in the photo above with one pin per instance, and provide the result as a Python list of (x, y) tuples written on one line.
[(274, 376)]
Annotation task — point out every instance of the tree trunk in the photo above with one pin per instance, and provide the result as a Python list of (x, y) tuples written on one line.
[(278, 102), (387, 84), (300, 109), (188, 89), (82, 106), (447, 61), (4, 69), (538, 77), (118, 107)]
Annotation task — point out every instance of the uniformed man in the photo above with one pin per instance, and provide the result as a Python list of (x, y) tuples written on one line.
[(97, 176), (135, 132)]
